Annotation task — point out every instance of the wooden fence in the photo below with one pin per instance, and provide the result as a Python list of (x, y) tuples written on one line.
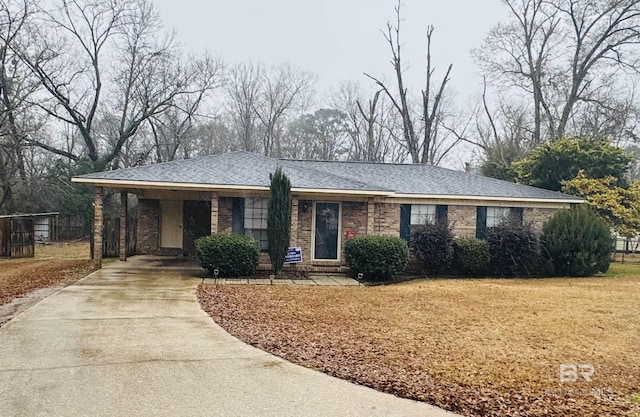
[(111, 237), (17, 239)]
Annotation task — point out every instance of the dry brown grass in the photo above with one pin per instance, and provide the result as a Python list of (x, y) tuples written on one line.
[(479, 347), (58, 263)]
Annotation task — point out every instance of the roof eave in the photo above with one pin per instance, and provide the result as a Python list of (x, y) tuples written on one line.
[(489, 198), (221, 187), (158, 185)]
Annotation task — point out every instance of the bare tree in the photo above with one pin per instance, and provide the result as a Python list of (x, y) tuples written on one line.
[(565, 55), (243, 90), (18, 117), (420, 129), (369, 124), (109, 60), (260, 99), (284, 89), (173, 128), (319, 135)]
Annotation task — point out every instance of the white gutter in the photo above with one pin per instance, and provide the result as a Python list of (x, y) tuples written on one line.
[(389, 194)]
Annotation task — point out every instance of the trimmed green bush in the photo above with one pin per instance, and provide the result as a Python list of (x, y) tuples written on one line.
[(577, 242), (514, 249), (471, 256), (233, 255), (432, 245), (378, 258)]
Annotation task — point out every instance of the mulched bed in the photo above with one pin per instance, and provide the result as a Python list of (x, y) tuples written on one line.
[(448, 344)]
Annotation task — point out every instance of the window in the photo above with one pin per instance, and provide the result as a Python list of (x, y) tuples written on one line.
[(492, 216), (422, 214), (412, 215), (255, 220), (496, 215), (249, 217)]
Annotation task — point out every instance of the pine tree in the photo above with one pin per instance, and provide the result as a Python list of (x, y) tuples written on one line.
[(279, 219)]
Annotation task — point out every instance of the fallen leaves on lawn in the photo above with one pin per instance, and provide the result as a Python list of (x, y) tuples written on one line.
[(20, 278), (447, 344)]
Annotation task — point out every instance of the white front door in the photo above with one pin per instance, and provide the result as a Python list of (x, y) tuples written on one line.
[(171, 224)]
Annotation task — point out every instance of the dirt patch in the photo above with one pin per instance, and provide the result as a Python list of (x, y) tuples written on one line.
[(476, 347), (24, 282)]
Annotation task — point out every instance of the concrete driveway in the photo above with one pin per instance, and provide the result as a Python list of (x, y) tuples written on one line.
[(131, 340)]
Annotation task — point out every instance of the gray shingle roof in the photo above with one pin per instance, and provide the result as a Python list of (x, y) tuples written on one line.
[(248, 169)]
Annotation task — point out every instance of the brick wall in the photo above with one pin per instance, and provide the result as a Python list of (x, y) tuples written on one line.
[(463, 220), (148, 233), (225, 208), (148, 227), (537, 216), (354, 217), (386, 220)]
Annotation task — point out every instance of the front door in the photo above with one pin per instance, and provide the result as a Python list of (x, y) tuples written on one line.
[(327, 223), (171, 224), (197, 223)]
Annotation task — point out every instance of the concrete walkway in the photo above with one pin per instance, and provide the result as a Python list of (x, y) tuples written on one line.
[(132, 341)]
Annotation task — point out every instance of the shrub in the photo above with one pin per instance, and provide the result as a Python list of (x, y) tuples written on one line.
[(514, 249), (233, 255), (471, 256), (279, 219), (378, 257), (432, 245), (577, 242)]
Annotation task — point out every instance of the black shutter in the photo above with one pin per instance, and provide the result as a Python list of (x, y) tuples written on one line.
[(442, 213), (481, 222), (237, 216), (518, 214), (405, 221)]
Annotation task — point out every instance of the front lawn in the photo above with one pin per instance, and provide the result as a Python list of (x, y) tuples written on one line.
[(478, 347), (55, 264)]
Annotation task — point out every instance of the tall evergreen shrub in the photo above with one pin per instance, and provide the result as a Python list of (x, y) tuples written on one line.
[(279, 219), (577, 242)]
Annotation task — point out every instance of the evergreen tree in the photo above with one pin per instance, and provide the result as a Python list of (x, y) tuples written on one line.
[(279, 219), (552, 163), (577, 242)]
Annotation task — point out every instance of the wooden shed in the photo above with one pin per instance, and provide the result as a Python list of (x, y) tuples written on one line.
[(20, 232)]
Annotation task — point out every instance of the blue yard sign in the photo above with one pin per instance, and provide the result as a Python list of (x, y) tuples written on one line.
[(294, 256)]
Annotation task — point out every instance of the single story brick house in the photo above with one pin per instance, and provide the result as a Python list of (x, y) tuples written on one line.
[(180, 201)]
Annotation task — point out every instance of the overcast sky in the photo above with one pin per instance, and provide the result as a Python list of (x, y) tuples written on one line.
[(338, 40)]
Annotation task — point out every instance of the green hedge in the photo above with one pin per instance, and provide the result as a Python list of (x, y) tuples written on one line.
[(379, 258), (577, 242), (471, 256), (233, 255)]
